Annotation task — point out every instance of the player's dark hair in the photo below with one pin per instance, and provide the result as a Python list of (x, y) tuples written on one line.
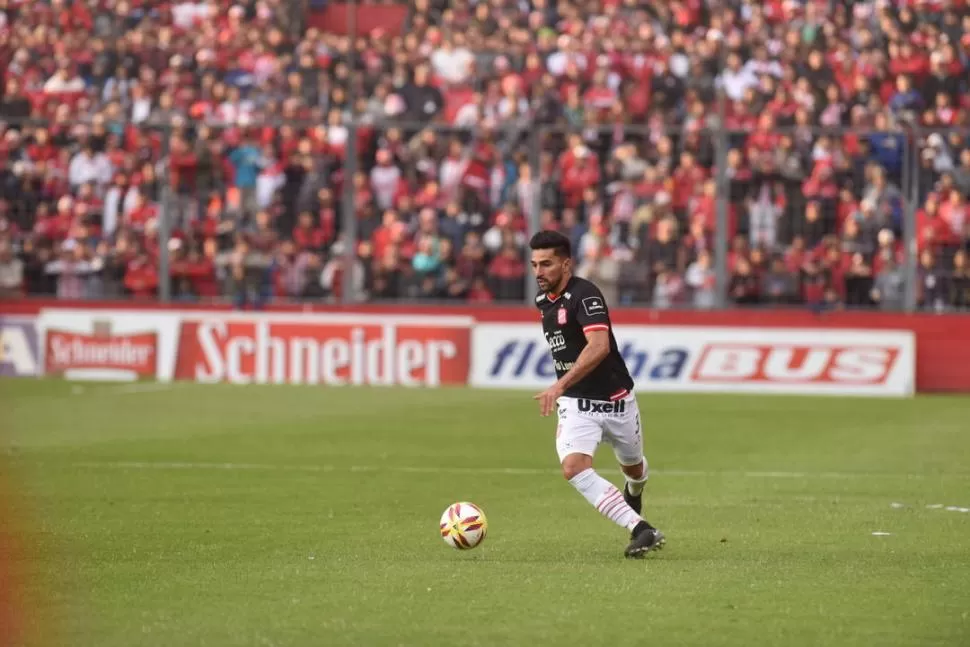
[(553, 240)]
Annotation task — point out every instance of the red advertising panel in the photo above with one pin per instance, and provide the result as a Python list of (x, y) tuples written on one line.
[(101, 349), (290, 351)]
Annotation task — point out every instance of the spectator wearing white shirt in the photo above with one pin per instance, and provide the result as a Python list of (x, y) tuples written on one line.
[(73, 270), (525, 192), (761, 64), (332, 273), (568, 52), (235, 109), (452, 61), (119, 200), (11, 271), (112, 209), (513, 107), (384, 179), (702, 281), (471, 114), (64, 80), (89, 166), (141, 104), (735, 79), (452, 169), (187, 14), (270, 179), (118, 87)]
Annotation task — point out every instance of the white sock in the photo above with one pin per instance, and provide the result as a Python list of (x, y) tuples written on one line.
[(604, 496), (635, 486)]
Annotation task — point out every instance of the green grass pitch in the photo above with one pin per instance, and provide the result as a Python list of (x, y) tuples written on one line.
[(216, 515)]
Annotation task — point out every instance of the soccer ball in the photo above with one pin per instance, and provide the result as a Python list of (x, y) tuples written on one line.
[(463, 525)]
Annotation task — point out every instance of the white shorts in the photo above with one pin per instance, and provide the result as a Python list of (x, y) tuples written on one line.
[(584, 424)]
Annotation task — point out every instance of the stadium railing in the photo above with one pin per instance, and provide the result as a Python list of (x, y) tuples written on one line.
[(825, 217)]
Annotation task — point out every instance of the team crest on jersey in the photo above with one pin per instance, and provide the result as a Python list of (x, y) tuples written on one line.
[(561, 316)]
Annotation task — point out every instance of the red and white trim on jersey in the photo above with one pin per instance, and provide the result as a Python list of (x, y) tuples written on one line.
[(592, 327), (619, 395)]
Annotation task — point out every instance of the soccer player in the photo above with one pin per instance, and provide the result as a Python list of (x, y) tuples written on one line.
[(594, 391)]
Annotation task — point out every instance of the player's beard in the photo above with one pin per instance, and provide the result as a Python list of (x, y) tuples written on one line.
[(549, 287)]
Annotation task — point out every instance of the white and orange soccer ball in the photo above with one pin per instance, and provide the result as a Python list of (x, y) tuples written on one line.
[(463, 525)]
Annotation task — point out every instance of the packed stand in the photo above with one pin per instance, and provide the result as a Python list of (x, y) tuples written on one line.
[(477, 125)]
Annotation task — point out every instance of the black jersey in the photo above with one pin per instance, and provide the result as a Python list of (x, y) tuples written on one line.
[(566, 318)]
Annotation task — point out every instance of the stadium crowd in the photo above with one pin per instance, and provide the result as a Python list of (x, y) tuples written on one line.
[(480, 121)]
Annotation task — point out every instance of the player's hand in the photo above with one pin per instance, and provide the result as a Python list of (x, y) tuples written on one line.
[(547, 399)]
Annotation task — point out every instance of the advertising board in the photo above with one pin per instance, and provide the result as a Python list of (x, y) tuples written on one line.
[(834, 362), (245, 348), (19, 352), (324, 349), (756, 351), (122, 345)]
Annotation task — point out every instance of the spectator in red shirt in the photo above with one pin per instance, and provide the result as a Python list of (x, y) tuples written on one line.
[(688, 179), (581, 174), (507, 274), (479, 292), (141, 277)]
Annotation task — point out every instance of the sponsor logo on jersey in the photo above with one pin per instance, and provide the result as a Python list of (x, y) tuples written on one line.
[(594, 306), (561, 317), (596, 406), (556, 341)]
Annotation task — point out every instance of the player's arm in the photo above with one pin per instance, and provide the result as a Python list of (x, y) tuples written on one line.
[(591, 313), (597, 348)]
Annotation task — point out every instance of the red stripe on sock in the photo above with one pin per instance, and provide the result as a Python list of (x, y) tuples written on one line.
[(610, 498), (612, 492), (615, 497), (607, 500), (613, 508)]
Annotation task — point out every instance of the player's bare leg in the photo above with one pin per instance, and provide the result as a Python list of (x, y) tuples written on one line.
[(644, 537), (636, 477)]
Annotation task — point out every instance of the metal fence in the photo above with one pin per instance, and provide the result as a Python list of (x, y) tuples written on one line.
[(690, 217)]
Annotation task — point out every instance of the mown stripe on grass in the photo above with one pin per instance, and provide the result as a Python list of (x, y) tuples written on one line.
[(525, 471)]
